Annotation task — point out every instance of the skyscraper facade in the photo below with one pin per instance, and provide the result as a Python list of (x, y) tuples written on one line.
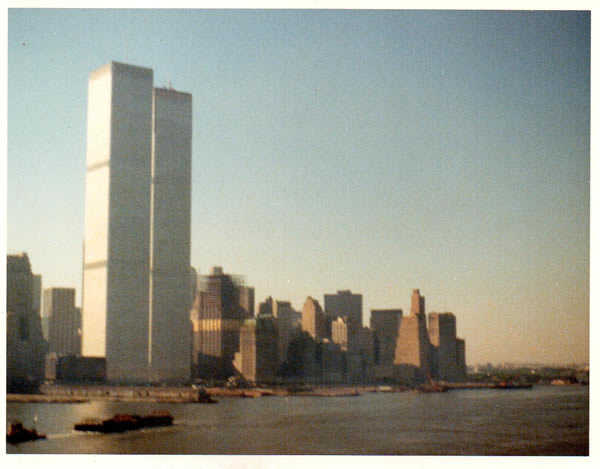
[(217, 317), (170, 227), (257, 359), (385, 324), (417, 302), (412, 357), (25, 344), (64, 321), (344, 303), (313, 319), (461, 363), (442, 334), (136, 250)]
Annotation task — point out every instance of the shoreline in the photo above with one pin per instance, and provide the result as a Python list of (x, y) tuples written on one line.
[(79, 394)]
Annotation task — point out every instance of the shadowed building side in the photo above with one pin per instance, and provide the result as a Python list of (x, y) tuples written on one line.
[(257, 359), (385, 325), (343, 303), (461, 363), (442, 334), (25, 344), (64, 321)]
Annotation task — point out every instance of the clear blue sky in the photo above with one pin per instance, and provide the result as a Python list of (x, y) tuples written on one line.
[(376, 151)]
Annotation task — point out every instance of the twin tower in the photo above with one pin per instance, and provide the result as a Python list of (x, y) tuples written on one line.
[(136, 256)]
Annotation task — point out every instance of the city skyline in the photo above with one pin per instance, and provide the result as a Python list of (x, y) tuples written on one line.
[(368, 151)]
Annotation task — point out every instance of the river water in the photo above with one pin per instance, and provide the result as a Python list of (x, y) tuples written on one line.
[(545, 420)]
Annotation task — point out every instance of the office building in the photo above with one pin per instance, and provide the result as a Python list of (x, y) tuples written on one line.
[(286, 319), (385, 324), (64, 321), (247, 299), (356, 342), (217, 316), (442, 334), (344, 303), (266, 307), (25, 344), (461, 363), (412, 357), (137, 226), (257, 360), (417, 303), (313, 319), (303, 358), (170, 232), (37, 298), (331, 362)]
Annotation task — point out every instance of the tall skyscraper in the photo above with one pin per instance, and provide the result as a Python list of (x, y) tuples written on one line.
[(257, 358), (313, 319), (417, 303), (287, 319), (461, 363), (37, 293), (385, 324), (169, 328), (344, 303), (64, 321), (442, 334), (137, 240), (412, 357), (217, 317)]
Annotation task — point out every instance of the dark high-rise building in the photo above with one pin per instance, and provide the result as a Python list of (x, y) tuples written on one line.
[(461, 363), (25, 344), (286, 319), (442, 334), (331, 362), (344, 303), (64, 321), (303, 358), (356, 342), (37, 298), (217, 317), (247, 299), (266, 307), (257, 360), (385, 324)]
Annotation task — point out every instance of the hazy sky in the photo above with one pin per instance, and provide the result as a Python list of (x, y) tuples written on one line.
[(377, 151)]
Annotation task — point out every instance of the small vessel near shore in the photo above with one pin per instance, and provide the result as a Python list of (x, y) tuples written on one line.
[(125, 422), (204, 398), (17, 433)]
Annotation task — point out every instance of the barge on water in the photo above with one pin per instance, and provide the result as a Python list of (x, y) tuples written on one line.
[(125, 422), (17, 433)]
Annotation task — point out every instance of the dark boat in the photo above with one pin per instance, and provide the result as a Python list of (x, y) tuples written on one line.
[(17, 433), (125, 422), (204, 398)]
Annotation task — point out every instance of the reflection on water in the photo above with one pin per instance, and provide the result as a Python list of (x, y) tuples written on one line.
[(543, 420)]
